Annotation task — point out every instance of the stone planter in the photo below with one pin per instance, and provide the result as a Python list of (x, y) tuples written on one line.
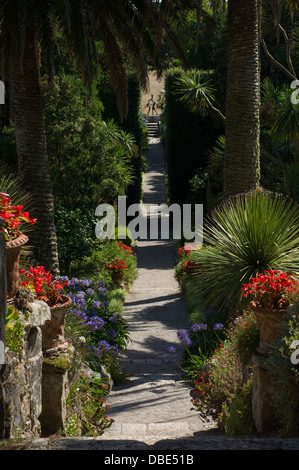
[(57, 357), (116, 276), (53, 329), (269, 322), (13, 251)]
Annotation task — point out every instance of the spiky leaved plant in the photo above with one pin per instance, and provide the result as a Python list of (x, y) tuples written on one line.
[(244, 236)]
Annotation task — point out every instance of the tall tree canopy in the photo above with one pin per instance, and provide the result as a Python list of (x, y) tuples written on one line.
[(134, 28)]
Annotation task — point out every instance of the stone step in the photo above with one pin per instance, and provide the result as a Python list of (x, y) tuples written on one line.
[(173, 446)]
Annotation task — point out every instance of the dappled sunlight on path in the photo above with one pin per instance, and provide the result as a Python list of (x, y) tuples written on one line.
[(154, 395)]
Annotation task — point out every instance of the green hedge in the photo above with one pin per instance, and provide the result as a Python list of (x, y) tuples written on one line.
[(132, 124), (189, 137)]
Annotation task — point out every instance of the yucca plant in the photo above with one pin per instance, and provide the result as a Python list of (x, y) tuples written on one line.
[(244, 236)]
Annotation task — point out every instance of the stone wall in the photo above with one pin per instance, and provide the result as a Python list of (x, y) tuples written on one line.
[(24, 386)]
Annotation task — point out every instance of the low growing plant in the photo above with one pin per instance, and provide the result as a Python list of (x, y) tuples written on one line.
[(243, 333), (103, 327), (215, 389), (87, 408), (14, 330)]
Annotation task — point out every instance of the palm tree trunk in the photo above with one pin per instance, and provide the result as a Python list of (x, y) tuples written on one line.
[(242, 159), (27, 109)]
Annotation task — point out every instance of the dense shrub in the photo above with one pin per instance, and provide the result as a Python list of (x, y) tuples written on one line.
[(215, 389), (189, 137), (133, 124)]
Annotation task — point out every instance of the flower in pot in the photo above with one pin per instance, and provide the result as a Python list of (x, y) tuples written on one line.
[(14, 219), (43, 285), (117, 269), (49, 290), (269, 295)]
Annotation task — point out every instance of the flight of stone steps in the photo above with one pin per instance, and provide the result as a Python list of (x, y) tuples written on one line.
[(153, 128)]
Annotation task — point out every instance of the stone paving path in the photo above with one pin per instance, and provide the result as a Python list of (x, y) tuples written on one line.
[(152, 408), (154, 403)]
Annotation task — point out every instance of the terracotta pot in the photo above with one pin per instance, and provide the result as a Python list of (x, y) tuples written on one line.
[(116, 276), (13, 251), (53, 330), (269, 323)]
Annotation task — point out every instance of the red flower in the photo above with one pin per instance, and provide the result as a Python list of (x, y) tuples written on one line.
[(271, 289), (40, 282), (13, 217)]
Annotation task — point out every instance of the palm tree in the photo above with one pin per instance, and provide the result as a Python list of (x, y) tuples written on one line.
[(27, 30), (242, 130), (242, 156)]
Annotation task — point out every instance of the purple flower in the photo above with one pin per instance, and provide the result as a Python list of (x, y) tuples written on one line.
[(79, 314), (218, 326), (81, 303), (96, 304), (112, 333), (80, 295), (115, 350), (184, 338), (198, 327), (89, 291), (115, 317), (171, 349), (105, 347), (96, 324)]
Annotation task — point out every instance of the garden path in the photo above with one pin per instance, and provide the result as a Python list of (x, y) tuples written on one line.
[(153, 404), (152, 409)]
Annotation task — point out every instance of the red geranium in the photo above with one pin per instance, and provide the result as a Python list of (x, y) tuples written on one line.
[(117, 265), (41, 283), (13, 217), (271, 290), (124, 247)]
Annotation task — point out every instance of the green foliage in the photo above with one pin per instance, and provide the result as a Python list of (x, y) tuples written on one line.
[(81, 147), (280, 150), (239, 419), (87, 407), (14, 330), (103, 253), (244, 236), (284, 373), (215, 389), (132, 124), (188, 139), (75, 234), (244, 336)]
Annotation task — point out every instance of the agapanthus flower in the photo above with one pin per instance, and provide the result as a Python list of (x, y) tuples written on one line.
[(104, 345), (96, 323), (115, 317), (218, 326), (80, 295), (90, 291), (184, 337), (96, 304), (198, 327)]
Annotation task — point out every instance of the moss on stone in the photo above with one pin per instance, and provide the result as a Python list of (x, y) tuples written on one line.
[(62, 362)]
